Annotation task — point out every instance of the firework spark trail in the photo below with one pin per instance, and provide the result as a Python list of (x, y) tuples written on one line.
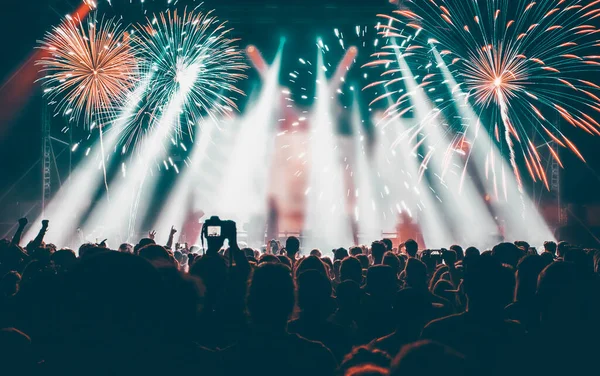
[(522, 63), (89, 72), (194, 52), (509, 142)]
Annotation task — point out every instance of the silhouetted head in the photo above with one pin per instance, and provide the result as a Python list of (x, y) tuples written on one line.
[(561, 248), (528, 271), (268, 258), (472, 252), (125, 248), (411, 248), (364, 260), (559, 294), (340, 254), (410, 309), (550, 246), (522, 245), (212, 271), (355, 251), (316, 252), (393, 262), (460, 254), (350, 269), (292, 245), (377, 251), (142, 243), (427, 358), (64, 259), (508, 253), (381, 281), (156, 254), (315, 294), (416, 273), (311, 263), (388, 244), (270, 300), (488, 285)]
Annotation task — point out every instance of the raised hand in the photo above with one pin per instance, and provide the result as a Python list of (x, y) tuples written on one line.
[(171, 235), (152, 234), (23, 222)]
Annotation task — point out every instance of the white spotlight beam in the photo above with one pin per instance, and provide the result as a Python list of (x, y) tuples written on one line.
[(181, 196), (471, 221), (244, 190), (116, 219), (364, 197), (76, 196), (523, 221), (327, 222), (409, 194)]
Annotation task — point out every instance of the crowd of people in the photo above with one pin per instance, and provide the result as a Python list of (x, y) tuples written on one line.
[(358, 311)]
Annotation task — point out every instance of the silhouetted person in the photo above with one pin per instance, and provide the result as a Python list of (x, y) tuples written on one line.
[(348, 299), (525, 308), (112, 318), (292, 247), (351, 269), (311, 263), (377, 251), (416, 277), (340, 254), (355, 251), (412, 310), (394, 262), (460, 254), (377, 308), (508, 253), (412, 248), (568, 306), (491, 343), (388, 244), (270, 303), (316, 304), (561, 249)]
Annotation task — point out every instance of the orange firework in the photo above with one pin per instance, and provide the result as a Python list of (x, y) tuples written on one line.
[(525, 66), (89, 70)]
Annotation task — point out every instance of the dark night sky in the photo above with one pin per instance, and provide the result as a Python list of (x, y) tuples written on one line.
[(259, 22)]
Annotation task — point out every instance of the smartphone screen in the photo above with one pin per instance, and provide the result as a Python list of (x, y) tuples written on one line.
[(214, 231)]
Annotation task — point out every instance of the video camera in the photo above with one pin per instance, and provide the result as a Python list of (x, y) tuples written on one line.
[(216, 230)]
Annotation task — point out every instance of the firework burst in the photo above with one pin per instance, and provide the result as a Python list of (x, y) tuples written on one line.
[(189, 56), (524, 66), (89, 69)]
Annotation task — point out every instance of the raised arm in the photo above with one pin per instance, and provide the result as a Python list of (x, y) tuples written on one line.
[(171, 235), (40, 236), (16, 240)]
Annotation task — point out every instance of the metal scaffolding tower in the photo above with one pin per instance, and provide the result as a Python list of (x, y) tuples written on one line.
[(46, 156), (555, 178), (49, 157)]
